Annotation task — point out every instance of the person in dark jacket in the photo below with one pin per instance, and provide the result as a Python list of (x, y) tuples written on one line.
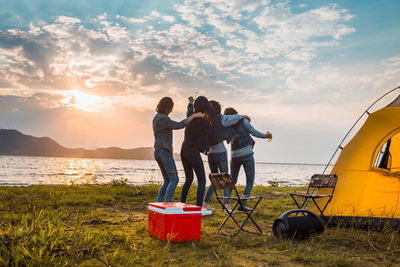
[(163, 152), (221, 131), (242, 153), (195, 142)]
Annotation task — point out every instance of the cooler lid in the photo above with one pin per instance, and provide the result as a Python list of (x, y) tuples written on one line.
[(174, 207)]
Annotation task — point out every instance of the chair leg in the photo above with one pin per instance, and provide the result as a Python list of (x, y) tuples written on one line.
[(226, 219), (249, 217), (297, 204), (321, 211)]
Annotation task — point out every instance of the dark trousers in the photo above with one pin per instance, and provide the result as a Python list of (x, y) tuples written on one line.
[(192, 161)]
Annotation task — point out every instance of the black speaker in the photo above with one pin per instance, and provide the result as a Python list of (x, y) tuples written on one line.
[(302, 226)]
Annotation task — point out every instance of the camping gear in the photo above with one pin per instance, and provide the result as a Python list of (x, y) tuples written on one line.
[(317, 181), (174, 221), (297, 226), (225, 181), (368, 190)]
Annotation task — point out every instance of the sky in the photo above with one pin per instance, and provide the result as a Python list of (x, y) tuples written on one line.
[(90, 73)]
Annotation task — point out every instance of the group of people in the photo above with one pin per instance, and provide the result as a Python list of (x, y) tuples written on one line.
[(206, 129)]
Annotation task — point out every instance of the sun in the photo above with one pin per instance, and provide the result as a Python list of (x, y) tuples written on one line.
[(83, 101)]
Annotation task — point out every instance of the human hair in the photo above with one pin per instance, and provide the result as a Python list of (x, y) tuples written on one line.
[(165, 104), (202, 105), (230, 111), (216, 106)]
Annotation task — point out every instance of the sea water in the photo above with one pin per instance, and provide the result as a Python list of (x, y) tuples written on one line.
[(46, 170)]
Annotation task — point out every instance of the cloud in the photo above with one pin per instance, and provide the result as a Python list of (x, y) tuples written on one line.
[(244, 39), (67, 20)]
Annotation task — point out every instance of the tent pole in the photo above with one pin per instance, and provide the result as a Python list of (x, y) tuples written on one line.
[(365, 112)]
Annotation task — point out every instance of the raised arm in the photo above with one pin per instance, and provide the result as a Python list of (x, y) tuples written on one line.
[(190, 110), (229, 120), (251, 130)]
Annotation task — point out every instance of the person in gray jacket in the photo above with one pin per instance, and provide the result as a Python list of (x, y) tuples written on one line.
[(163, 151)]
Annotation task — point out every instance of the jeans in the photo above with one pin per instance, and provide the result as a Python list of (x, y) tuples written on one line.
[(248, 164), (192, 161), (218, 163), (167, 165)]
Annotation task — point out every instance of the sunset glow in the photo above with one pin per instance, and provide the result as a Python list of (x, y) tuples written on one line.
[(82, 101), (297, 68)]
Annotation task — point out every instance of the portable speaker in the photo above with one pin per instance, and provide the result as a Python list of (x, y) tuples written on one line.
[(297, 226)]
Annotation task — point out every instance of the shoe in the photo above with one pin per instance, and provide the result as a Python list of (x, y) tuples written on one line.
[(240, 209), (226, 212), (208, 207), (205, 212)]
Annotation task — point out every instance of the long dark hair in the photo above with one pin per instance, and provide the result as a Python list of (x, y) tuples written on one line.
[(216, 106), (230, 111), (165, 105), (202, 105)]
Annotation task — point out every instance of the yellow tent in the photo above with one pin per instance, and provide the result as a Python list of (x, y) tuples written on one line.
[(368, 171)]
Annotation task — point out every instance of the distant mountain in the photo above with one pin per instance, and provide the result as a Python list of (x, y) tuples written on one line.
[(15, 143)]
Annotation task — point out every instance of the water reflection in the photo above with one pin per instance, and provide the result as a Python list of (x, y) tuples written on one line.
[(77, 171), (38, 170)]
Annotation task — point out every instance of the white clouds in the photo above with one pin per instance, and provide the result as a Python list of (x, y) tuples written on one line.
[(342, 30), (67, 20), (115, 32), (228, 46), (155, 14), (169, 19), (132, 20), (203, 42), (332, 13)]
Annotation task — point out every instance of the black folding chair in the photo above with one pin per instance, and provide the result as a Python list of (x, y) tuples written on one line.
[(225, 181), (317, 181)]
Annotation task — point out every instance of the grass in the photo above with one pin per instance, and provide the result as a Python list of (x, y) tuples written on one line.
[(106, 225)]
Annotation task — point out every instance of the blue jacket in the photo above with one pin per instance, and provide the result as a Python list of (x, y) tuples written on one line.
[(220, 133), (244, 139)]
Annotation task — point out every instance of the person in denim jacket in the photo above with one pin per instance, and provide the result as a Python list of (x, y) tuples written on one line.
[(221, 131), (163, 152), (242, 153)]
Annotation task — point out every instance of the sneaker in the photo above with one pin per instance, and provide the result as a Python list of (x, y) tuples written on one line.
[(240, 209), (205, 212), (226, 212), (208, 207)]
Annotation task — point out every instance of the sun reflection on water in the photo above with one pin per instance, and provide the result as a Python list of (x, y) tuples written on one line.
[(78, 171)]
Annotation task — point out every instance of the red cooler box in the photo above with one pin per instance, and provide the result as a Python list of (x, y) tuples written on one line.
[(174, 221)]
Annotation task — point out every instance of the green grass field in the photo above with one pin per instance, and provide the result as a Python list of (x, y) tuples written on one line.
[(106, 225)]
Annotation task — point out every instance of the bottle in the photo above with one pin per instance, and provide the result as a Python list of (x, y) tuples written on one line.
[(268, 139)]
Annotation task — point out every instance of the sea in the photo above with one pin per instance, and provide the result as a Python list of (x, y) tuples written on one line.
[(22, 171)]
